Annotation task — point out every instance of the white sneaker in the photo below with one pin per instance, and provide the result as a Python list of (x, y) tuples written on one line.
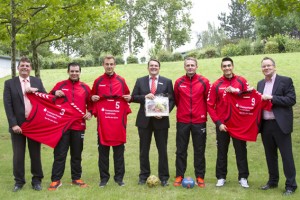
[(221, 182), (244, 183)]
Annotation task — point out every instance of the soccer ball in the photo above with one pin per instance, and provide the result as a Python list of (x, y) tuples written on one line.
[(188, 182), (152, 181)]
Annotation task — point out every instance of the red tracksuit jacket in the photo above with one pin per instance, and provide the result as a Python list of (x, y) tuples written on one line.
[(190, 98)]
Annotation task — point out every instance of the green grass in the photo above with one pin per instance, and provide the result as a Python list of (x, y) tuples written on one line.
[(248, 66)]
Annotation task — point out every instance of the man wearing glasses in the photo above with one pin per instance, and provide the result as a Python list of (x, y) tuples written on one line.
[(229, 82)]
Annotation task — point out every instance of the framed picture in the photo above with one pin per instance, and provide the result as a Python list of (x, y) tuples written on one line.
[(159, 106)]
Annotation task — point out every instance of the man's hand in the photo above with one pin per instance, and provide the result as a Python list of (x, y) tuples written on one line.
[(31, 90), (87, 116), (150, 96), (127, 97), (223, 127), (95, 98), (17, 129), (232, 89), (59, 93), (267, 97)]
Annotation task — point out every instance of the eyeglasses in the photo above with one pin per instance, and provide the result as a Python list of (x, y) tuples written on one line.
[(224, 66), (266, 66)]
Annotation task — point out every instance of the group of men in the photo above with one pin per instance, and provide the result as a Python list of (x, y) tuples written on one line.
[(193, 96)]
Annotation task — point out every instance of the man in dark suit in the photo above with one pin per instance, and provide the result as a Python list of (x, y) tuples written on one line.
[(277, 125), (147, 87), (17, 108)]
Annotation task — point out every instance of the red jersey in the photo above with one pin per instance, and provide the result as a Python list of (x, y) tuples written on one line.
[(244, 114), (215, 104), (110, 86), (78, 93), (190, 98), (47, 121), (112, 120)]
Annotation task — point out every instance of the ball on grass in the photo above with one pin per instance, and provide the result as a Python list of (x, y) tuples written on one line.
[(152, 181), (188, 182)]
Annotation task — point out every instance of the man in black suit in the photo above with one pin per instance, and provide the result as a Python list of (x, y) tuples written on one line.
[(277, 125), (148, 125), (17, 108)]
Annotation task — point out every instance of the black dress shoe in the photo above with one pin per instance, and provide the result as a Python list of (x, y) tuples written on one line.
[(17, 188), (37, 187), (268, 186), (164, 183), (142, 182), (120, 183), (288, 192)]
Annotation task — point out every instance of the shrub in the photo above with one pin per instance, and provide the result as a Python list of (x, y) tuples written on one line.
[(132, 59), (244, 47), (280, 40), (177, 56), (143, 59), (292, 45), (271, 47), (210, 52), (164, 56), (120, 60), (80, 61), (230, 50), (258, 47), (193, 54)]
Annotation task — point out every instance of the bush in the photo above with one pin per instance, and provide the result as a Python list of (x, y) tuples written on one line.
[(193, 54), (271, 47), (230, 50), (244, 47), (143, 59), (280, 40), (80, 61), (132, 59), (258, 47), (120, 60), (210, 52), (164, 56), (177, 57), (292, 45)]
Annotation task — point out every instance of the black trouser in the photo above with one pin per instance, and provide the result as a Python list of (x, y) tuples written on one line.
[(161, 140), (103, 162), (74, 140), (19, 148), (240, 147), (273, 139), (198, 132)]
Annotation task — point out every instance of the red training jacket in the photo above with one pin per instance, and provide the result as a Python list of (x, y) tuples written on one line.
[(78, 93), (215, 104), (190, 98)]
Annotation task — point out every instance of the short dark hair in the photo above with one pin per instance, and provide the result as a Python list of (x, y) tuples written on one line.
[(226, 59), (73, 64), (155, 61), (268, 58), (109, 57), (24, 59)]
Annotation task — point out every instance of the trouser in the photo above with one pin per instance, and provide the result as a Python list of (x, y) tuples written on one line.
[(103, 162), (240, 147), (161, 139), (19, 148), (198, 132), (273, 139), (74, 140)]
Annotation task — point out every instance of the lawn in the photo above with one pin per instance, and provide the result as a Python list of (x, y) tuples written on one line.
[(247, 66)]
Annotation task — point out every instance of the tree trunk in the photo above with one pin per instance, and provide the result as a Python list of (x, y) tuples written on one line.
[(13, 39), (35, 59)]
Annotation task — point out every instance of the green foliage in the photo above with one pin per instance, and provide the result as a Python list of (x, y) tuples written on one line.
[(143, 59), (292, 45), (193, 53), (120, 60), (244, 47), (132, 59), (271, 47), (164, 56), (230, 50), (177, 56), (258, 47), (210, 52), (280, 40)]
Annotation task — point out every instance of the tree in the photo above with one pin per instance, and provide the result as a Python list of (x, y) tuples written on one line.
[(51, 20), (169, 21), (211, 37), (239, 23), (135, 12)]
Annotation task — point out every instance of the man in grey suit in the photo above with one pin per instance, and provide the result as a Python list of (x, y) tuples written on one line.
[(277, 125), (147, 87), (17, 108)]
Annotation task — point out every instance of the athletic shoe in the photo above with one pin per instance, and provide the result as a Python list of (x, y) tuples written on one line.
[(221, 182), (244, 183), (178, 181), (80, 183), (54, 185), (200, 182)]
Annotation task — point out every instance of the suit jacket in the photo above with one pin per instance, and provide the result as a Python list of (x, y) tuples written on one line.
[(284, 97), (14, 101), (141, 89)]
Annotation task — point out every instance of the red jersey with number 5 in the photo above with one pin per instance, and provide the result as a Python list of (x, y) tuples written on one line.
[(112, 120), (244, 114)]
